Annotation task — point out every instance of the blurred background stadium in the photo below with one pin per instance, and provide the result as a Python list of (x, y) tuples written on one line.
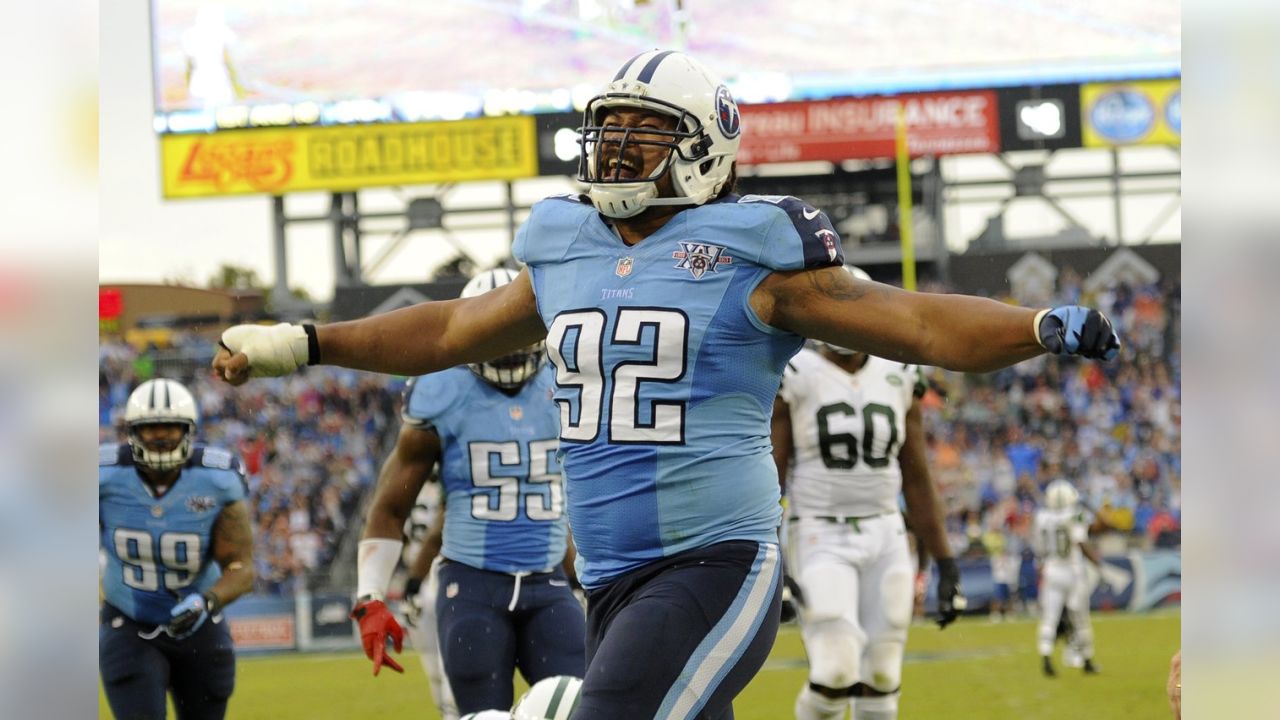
[(374, 164)]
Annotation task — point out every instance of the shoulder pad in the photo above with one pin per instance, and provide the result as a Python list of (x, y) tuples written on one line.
[(217, 458), (432, 395), (819, 242), (114, 454)]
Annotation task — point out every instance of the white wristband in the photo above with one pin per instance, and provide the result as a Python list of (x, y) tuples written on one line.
[(375, 562), (1035, 325)]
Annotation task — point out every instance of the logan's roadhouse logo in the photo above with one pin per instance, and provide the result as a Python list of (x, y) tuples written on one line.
[(284, 160), (224, 164)]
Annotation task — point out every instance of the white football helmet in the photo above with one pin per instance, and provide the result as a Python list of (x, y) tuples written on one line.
[(701, 150), (508, 372), (1060, 495), (859, 274), (157, 402), (552, 698)]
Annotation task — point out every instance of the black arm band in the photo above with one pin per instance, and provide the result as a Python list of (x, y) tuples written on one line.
[(212, 603), (313, 344)]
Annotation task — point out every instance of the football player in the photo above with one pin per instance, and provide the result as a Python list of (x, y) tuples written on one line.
[(670, 306), (178, 547), (847, 439), (503, 600), (1060, 533)]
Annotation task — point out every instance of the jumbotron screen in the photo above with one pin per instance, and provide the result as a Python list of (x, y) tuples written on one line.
[(248, 63)]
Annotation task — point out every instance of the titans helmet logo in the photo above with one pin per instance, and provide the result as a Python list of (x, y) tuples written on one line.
[(727, 116)]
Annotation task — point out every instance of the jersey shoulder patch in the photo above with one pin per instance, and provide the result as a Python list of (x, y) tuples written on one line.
[(802, 236), (552, 226)]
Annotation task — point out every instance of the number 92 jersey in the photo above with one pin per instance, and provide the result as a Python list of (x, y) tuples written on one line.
[(665, 377), (158, 549), (504, 498), (846, 432)]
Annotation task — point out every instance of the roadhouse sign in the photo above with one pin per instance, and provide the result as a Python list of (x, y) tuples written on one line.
[(945, 123)]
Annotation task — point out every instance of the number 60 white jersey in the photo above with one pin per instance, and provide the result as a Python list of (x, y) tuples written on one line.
[(846, 431)]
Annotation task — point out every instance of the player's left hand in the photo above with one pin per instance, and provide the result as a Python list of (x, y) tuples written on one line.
[(950, 600), (376, 625), (187, 616), (1075, 330), (412, 601)]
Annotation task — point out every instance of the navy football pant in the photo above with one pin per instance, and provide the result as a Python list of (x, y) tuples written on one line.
[(483, 639), (200, 671), (682, 636)]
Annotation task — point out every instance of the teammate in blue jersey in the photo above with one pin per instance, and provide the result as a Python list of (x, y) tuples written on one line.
[(503, 602), (174, 529), (670, 306)]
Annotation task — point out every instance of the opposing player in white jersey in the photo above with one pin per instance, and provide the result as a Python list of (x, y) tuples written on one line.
[(1061, 536), (425, 532), (847, 438)]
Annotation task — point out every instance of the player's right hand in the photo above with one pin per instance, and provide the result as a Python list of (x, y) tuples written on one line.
[(376, 625), (260, 351), (412, 601)]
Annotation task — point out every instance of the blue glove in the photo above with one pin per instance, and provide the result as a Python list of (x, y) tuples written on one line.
[(187, 616), (1075, 330)]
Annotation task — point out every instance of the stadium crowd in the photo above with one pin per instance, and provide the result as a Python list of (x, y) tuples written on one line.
[(312, 443), (1111, 429)]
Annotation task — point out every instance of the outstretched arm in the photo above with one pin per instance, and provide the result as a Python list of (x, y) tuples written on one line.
[(957, 332), (416, 340)]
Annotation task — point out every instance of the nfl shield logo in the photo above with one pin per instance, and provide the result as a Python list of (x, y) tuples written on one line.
[(517, 412), (624, 267)]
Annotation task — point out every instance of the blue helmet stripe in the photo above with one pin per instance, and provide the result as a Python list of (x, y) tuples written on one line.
[(646, 74), (626, 67)]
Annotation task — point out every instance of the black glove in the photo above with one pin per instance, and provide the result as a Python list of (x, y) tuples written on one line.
[(950, 600), (412, 601), (1075, 330)]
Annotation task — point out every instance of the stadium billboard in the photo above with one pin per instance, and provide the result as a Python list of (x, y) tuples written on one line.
[(283, 160), (948, 123), (1143, 112)]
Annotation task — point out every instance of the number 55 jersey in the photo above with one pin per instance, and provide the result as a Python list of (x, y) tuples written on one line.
[(664, 376)]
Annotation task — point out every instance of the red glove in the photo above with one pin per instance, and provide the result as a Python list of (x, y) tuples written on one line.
[(376, 624)]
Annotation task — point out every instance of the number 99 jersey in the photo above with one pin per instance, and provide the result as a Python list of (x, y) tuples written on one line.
[(665, 376), (158, 549), (847, 429)]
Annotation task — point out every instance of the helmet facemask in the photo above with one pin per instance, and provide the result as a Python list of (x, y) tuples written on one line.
[(511, 372), (161, 459)]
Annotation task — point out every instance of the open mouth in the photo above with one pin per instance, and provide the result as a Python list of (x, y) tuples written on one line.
[(623, 170)]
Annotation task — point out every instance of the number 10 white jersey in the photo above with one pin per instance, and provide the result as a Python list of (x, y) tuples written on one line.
[(846, 432)]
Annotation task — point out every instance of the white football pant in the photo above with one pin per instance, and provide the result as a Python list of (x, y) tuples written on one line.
[(424, 638), (1061, 586), (856, 578)]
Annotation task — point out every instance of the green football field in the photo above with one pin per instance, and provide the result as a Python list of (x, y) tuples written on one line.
[(974, 670)]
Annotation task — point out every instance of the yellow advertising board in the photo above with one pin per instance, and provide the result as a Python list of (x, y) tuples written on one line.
[(1146, 112), (282, 160)]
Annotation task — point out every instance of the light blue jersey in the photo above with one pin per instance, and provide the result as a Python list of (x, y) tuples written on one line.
[(159, 550), (504, 497), (665, 377)]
